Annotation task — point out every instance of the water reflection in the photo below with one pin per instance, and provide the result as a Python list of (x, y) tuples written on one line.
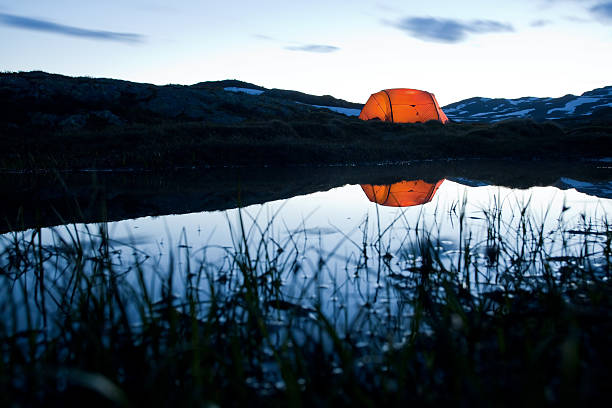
[(303, 263), (42, 200), (306, 270), (406, 193)]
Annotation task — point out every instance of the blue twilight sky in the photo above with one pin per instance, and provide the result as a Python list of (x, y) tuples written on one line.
[(349, 49)]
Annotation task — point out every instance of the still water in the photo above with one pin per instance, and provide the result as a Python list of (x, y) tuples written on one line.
[(346, 251), (333, 225)]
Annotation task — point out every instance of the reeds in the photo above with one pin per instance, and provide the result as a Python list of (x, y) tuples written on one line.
[(519, 315)]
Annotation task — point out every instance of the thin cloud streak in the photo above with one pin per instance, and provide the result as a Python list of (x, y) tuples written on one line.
[(580, 20), (447, 30), (540, 23), (318, 48), (50, 27), (264, 37), (323, 49)]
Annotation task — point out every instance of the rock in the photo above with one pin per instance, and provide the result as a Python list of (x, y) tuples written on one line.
[(74, 122), (179, 101), (94, 119), (41, 119), (107, 117)]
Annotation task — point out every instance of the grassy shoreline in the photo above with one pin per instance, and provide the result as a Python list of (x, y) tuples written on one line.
[(319, 139)]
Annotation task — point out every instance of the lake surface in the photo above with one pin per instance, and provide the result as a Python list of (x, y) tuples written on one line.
[(350, 243)]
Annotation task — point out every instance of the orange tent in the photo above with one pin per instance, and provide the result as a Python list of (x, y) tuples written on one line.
[(403, 105), (402, 194)]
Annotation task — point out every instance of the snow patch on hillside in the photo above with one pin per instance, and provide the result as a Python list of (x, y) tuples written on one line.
[(604, 105), (344, 111), (571, 106), (523, 112), (249, 91)]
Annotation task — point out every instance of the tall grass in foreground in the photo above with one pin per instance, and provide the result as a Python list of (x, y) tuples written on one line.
[(522, 316)]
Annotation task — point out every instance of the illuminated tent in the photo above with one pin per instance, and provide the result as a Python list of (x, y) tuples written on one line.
[(402, 194), (403, 105)]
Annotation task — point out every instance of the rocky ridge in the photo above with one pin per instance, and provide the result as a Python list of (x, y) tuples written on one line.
[(55, 101), (539, 109)]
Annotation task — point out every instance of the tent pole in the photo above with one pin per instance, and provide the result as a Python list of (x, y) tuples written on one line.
[(390, 105)]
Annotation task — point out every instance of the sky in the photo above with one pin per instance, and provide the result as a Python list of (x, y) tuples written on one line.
[(348, 49)]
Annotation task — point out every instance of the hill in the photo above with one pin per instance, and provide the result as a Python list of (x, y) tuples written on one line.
[(233, 85), (50, 121), (55, 101), (494, 110)]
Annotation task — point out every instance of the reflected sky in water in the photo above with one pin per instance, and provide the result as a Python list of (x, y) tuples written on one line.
[(343, 241), (341, 211)]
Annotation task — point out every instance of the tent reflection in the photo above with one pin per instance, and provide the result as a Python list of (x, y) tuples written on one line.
[(402, 194)]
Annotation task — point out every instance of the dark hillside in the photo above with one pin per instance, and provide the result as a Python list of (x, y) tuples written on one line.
[(226, 83), (281, 94), (54, 121), (325, 100), (52, 101)]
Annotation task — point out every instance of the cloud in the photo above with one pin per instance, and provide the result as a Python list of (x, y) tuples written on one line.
[(48, 26), (386, 7), (575, 19), (602, 10), (447, 30), (313, 48), (320, 48), (264, 37), (540, 23)]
